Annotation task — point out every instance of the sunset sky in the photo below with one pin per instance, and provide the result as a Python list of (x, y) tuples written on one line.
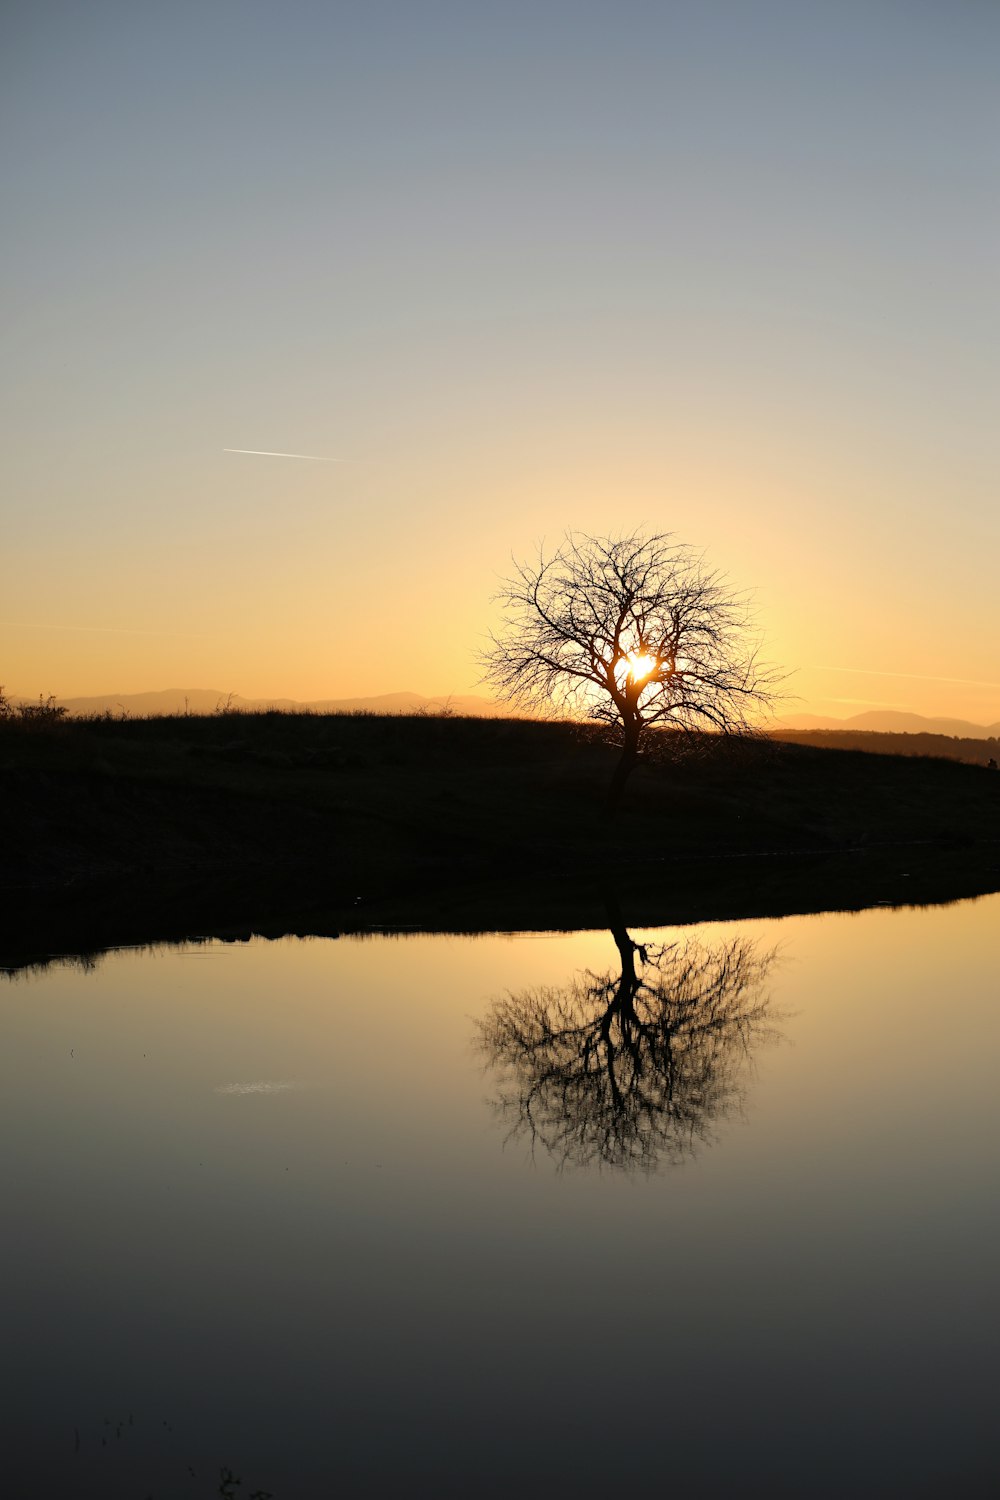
[(725, 268)]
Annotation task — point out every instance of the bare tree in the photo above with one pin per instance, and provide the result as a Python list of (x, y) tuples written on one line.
[(635, 1068), (633, 631)]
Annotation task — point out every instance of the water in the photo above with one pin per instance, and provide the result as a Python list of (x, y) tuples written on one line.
[(275, 1211)]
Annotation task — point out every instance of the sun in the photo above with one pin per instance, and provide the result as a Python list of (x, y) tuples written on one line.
[(640, 667)]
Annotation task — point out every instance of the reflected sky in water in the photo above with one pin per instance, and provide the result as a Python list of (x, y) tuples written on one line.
[(265, 1210)]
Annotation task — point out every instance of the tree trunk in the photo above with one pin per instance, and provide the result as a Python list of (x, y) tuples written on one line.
[(624, 768)]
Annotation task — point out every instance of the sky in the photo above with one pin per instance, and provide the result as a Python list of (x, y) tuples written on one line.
[(727, 270)]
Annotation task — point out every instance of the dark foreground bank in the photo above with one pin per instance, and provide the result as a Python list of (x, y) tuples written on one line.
[(123, 831)]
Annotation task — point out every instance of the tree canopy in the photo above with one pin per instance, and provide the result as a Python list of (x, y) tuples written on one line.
[(633, 630)]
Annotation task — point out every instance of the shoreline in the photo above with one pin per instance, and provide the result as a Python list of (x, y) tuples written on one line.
[(42, 927)]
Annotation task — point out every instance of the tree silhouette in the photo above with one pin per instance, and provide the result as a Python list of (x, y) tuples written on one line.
[(633, 631), (632, 1069)]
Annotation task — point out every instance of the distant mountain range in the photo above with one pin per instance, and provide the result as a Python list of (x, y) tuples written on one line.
[(891, 721), (211, 700)]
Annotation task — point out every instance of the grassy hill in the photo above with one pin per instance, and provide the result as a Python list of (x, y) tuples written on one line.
[(979, 750), (149, 826)]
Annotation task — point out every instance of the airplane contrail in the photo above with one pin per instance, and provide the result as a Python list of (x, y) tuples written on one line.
[(316, 458), (909, 676)]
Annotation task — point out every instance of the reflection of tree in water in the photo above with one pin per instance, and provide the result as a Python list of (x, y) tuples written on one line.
[(631, 1069)]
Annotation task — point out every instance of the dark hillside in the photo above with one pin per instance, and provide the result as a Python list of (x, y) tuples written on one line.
[(978, 752), (239, 818)]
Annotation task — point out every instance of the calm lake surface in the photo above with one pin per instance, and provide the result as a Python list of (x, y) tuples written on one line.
[(478, 1216)]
